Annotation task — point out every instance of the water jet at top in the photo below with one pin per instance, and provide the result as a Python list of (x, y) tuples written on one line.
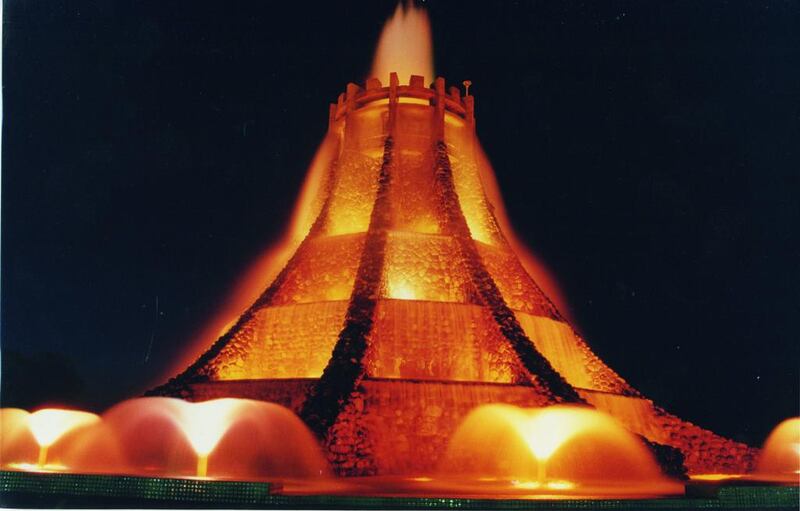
[(405, 45)]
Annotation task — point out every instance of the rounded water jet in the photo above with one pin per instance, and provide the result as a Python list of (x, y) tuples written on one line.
[(227, 438), (17, 443), (554, 450), (204, 424), (780, 456), (224, 438), (49, 425)]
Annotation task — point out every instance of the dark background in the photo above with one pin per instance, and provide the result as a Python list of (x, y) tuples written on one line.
[(647, 151)]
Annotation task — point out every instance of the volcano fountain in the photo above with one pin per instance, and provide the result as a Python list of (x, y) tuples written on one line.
[(407, 342), (407, 302)]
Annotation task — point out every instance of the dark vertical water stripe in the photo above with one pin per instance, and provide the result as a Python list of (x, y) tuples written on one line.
[(456, 224), (346, 368), (200, 370)]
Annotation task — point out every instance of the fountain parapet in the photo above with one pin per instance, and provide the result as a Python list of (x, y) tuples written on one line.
[(356, 97)]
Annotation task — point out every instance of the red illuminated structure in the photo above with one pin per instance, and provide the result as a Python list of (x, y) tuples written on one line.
[(406, 305)]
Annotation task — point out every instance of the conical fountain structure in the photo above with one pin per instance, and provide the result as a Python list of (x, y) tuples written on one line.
[(405, 307)]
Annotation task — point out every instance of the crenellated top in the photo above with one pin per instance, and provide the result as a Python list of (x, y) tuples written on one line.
[(356, 97)]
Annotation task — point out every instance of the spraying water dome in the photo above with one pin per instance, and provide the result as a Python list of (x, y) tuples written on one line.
[(223, 438), (780, 456), (558, 449), (40, 432)]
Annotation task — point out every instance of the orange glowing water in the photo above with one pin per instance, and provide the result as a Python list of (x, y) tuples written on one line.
[(267, 265), (554, 449), (294, 336), (431, 321), (405, 46), (169, 437), (50, 424), (534, 265), (204, 424), (780, 457), (17, 444), (45, 427), (307, 312)]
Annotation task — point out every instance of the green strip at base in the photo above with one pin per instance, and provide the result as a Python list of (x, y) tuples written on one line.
[(134, 488), (48, 490)]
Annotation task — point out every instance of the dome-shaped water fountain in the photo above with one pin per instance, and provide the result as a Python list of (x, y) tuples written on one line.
[(553, 450), (780, 457), (223, 438), (17, 444), (40, 432)]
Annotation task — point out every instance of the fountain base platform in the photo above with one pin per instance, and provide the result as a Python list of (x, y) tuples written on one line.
[(59, 490)]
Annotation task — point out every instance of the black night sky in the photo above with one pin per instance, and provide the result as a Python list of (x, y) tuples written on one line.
[(647, 151)]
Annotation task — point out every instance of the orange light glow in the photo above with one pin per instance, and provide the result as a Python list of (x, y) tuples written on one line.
[(547, 430), (267, 265), (305, 315), (780, 457), (16, 440), (550, 485), (310, 328), (168, 437), (401, 290), (560, 485), (554, 448), (38, 467), (405, 45), (338, 292), (715, 477), (400, 256), (205, 423), (50, 424), (536, 268)]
